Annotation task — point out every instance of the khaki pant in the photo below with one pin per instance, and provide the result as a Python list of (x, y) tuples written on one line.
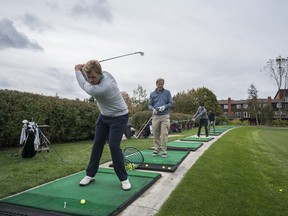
[(160, 127), (211, 123)]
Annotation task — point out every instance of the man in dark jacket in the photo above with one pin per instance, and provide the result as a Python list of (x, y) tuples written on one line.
[(202, 115)]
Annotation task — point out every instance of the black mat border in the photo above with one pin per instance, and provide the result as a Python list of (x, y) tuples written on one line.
[(8, 209), (158, 167), (132, 199)]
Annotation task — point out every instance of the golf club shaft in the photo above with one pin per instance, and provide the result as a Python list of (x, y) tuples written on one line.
[(141, 53)]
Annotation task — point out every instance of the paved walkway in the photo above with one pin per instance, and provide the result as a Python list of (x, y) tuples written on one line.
[(150, 202)]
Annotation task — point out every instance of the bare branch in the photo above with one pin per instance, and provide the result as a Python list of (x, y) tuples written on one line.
[(278, 70)]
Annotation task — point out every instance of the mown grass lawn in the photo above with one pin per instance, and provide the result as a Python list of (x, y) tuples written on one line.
[(243, 173), (18, 174), (240, 174)]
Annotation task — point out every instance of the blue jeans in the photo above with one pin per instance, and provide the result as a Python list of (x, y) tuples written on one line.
[(111, 129)]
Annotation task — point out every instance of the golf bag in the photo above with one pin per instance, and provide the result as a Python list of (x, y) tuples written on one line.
[(29, 139), (146, 132), (175, 127)]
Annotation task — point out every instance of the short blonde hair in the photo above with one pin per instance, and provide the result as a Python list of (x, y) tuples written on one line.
[(160, 80), (92, 66)]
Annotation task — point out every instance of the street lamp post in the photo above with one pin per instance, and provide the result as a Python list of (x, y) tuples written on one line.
[(282, 72)]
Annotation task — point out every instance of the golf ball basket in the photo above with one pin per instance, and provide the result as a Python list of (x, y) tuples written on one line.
[(132, 158)]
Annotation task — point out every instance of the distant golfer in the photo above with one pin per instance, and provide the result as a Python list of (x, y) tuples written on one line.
[(160, 102), (202, 115), (111, 123), (211, 121)]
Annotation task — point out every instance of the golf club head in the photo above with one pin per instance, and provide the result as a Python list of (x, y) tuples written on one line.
[(141, 53)]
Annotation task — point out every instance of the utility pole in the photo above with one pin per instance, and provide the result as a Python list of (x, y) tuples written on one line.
[(277, 69), (282, 71)]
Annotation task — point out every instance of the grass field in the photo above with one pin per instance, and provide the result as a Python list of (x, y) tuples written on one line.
[(242, 173), (18, 174)]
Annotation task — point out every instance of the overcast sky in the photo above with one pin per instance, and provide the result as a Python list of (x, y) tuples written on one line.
[(218, 44)]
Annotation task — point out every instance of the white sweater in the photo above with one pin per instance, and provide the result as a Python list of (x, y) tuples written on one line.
[(107, 94)]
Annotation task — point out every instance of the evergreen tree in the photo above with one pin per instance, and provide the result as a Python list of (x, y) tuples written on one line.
[(253, 105)]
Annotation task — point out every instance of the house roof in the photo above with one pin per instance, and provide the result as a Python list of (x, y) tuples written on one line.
[(281, 93), (261, 100)]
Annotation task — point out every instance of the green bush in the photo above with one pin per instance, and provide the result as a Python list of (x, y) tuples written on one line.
[(280, 123), (139, 118), (222, 120), (239, 122), (68, 120), (245, 123)]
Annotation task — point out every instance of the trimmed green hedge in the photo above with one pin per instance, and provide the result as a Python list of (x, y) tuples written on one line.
[(280, 123), (68, 120), (139, 118)]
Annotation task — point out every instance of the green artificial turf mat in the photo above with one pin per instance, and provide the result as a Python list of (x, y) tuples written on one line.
[(103, 197), (212, 133), (179, 145), (194, 138), (158, 163), (220, 130)]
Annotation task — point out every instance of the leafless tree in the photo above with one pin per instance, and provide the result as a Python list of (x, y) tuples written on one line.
[(277, 69)]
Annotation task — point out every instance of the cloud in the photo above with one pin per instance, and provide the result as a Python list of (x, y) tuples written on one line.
[(34, 23), (191, 44), (52, 5), (4, 83), (99, 9), (10, 37)]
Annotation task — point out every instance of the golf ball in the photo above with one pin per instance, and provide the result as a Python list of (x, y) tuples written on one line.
[(129, 167), (82, 201)]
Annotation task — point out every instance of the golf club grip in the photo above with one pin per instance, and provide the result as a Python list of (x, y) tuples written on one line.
[(133, 155)]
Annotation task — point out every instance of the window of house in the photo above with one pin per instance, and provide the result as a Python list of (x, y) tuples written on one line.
[(245, 106), (238, 106), (246, 115), (279, 105), (225, 106)]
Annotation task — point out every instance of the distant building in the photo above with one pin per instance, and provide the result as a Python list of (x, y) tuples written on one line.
[(238, 109)]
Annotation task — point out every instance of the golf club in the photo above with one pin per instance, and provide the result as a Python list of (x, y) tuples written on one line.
[(141, 53)]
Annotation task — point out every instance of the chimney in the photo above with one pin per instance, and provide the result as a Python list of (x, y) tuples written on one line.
[(269, 100), (229, 106)]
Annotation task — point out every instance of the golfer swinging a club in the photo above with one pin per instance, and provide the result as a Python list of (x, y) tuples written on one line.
[(111, 122)]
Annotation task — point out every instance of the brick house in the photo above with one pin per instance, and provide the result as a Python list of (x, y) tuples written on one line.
[(238, 109)]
